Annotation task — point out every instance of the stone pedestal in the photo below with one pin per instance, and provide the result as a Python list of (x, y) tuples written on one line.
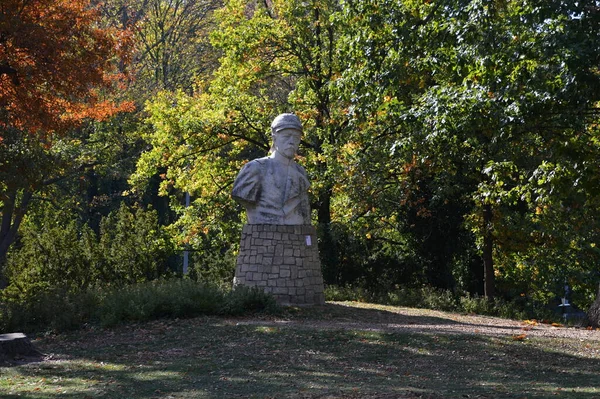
[(283, 260)]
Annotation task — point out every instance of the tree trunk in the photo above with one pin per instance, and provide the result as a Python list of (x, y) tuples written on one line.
[(594, 312), (328, 249), (3, 282), (13, 212), (488, 259), (16, 345)]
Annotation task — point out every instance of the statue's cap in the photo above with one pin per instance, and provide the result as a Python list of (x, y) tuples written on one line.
[(286, 121)]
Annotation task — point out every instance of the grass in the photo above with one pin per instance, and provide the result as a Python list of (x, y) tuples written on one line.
[(332, 351)]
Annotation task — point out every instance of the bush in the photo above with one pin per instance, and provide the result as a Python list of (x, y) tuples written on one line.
[(216, 265), (436, 299), (433, 298), (50, 260), (157, 299), (133, 246), (243, 300), (424, 297), (40, 312), (346, 293), (476, 305), (65, 257), (135, 303)]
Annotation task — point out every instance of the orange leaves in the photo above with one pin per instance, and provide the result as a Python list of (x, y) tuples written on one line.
[(99, 111), (520, 337), (62, 63)]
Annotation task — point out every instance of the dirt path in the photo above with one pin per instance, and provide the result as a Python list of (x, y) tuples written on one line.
[(369, 317)]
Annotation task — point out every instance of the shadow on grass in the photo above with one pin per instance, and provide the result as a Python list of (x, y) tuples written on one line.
[(340, 312), (218, 358), (344, 315)]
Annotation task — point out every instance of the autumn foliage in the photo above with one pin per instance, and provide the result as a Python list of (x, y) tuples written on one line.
[(56, 65)]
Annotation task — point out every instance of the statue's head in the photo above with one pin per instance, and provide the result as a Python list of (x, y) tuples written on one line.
[(286, 130)]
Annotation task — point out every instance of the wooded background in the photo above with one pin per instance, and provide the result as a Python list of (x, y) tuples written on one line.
[(450, 143)]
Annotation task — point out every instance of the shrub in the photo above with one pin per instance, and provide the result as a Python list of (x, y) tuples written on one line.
[(433, 298), (64, 257), (346, 293), (444, 300), (157, 299), (410, 297), (498, 307), (106, 307), (50, 259), (134, 247), (242, 300), (475, 304), (55, 310), (216, 265), (424, 297)]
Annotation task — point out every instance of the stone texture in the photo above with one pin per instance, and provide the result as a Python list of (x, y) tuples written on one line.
[(289, 268)]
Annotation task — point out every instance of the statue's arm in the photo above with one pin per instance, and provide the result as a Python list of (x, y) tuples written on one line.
[(246, 187)]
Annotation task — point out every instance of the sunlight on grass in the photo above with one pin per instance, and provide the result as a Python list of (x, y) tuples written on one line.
[(556, 389), (75, 376), (268, 330)]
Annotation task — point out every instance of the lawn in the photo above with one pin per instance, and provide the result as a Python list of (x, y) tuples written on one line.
[(340, 350)]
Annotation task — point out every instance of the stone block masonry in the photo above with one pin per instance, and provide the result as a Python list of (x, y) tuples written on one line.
[(283, 260)]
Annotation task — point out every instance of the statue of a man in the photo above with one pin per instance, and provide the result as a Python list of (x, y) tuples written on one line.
[(274, 189)]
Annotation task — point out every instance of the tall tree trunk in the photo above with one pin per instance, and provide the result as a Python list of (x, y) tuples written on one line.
[(13, 210), (3, 282), (488, 247), (328, 248), (593, 313)]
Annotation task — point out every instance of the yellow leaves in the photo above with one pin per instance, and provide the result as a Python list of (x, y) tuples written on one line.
[(538, 210), (350, 148)]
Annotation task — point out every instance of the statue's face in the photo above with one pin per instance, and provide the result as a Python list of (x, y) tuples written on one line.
[(286, 142)]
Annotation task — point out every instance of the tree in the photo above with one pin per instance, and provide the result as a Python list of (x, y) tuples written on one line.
[(54, 62), (486, 93), (171, 42), (57, 68), (277, 56)]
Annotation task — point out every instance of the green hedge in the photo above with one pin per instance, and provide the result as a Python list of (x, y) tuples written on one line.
[(59, 311)]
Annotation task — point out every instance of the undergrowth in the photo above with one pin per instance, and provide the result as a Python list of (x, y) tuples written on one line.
[(432, 298), (58, 310)]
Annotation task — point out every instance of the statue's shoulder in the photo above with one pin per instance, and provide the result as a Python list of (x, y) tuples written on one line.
[(299, 168), (247, 184), (261, 161), (254, 166)]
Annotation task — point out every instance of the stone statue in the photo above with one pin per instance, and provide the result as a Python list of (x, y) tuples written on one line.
[(274, 189), (278, 248)]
